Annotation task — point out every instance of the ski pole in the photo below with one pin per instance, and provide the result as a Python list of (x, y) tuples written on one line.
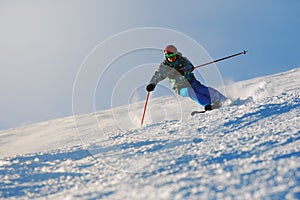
[(145, 106), (237, 54)]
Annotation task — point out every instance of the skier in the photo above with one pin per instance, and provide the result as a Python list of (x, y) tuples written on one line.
[(179, 71)]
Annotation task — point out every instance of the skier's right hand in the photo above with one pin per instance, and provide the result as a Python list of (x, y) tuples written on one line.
[(150, 87)]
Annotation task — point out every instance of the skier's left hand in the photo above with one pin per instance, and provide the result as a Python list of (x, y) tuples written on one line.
[(189, 68)]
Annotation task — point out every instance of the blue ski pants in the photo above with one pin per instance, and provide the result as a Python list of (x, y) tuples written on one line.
[(201, 94)]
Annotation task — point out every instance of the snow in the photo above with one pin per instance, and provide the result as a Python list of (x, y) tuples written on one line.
[(249, 150)]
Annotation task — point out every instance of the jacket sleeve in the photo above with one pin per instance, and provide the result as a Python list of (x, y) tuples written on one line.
[(159, 75), (187, 70), (188, 66)]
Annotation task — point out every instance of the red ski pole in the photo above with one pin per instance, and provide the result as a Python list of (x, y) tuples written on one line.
[(145, 107)]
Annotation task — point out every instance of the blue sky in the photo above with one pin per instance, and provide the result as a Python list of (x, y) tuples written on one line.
[(43, 43)]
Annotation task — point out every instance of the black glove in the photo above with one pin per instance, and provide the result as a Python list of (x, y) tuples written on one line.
[(150, 87)]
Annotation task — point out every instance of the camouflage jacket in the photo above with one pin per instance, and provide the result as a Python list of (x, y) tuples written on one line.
[(178, 72)]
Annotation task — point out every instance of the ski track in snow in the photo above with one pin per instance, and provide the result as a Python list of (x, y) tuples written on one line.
[(244, 151)]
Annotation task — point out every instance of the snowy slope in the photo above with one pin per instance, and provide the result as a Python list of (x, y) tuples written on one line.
[(243, 151)]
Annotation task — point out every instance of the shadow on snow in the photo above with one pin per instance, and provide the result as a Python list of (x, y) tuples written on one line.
[(29, 173), (264, 111)]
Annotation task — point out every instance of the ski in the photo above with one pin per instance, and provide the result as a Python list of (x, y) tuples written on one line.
[(236, 102), (197, 112)]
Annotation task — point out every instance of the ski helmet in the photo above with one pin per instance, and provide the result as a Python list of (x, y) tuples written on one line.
[(170, 49)]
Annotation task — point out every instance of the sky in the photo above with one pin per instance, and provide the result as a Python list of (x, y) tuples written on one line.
[(44, 44)]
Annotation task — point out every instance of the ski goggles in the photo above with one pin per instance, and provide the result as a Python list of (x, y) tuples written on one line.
[(170, 55)]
